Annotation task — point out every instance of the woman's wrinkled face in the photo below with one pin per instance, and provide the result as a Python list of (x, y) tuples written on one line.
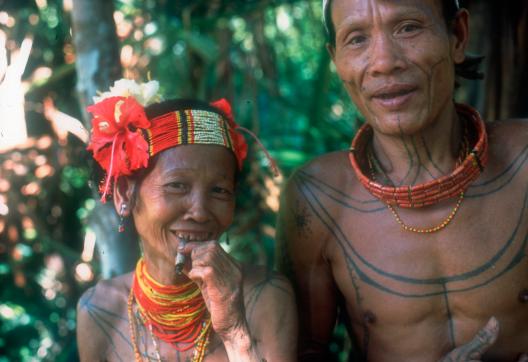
[(396, 60), (189, 193)]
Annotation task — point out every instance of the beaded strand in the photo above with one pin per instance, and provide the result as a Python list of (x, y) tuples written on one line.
[(436, 190), (430, 229), (174, 314)]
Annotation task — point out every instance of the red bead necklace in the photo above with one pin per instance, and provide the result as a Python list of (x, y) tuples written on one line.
[(433, 191), (177, 314)]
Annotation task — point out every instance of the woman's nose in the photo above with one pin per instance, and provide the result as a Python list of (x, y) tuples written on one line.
[(386, 56), (197, 208)]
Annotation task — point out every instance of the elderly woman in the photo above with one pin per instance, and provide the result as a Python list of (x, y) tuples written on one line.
[(172, 168)]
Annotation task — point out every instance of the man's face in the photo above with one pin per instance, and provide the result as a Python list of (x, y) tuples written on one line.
[(396, 59)]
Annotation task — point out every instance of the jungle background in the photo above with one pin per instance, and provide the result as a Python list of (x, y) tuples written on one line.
[(266, 56)]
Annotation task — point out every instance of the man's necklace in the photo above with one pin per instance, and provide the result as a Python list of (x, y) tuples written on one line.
[(464, 155), (415, 229), (434, 191)]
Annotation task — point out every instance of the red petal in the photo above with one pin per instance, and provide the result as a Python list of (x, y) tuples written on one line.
[(133, 113), (103, 155), (102, 112), (240, 147), (224, 106), (137, 150)]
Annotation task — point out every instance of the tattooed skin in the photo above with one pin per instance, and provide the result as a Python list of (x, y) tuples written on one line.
[(302, 219), (104, 331), (415, 297)]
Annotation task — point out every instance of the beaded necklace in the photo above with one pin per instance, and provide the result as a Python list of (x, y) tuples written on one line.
[(434, 191), (174, 314)]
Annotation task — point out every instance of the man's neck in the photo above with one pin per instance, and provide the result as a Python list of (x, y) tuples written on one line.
[(419, 157)]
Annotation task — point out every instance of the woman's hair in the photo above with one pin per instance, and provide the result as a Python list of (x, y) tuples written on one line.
[(172, 105), (467, 69)]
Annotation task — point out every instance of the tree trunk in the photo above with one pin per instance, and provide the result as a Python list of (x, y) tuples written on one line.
[(98, 66), (504, 31)]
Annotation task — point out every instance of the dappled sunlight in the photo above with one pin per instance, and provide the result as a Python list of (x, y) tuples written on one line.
[(265, 58)]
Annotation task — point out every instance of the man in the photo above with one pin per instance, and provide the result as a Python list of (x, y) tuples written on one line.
[(417, 235)]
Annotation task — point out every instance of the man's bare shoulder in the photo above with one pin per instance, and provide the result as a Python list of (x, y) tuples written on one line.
[(510, 133), (333, 162), (508, 144), (331, 169)]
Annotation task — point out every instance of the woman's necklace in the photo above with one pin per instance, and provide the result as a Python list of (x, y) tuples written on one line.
[(174, 314), (133, 331)]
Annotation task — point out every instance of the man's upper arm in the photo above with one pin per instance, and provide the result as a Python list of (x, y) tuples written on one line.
[(301, 239)]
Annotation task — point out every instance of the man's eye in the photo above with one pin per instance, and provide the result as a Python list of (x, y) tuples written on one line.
[(222, 191), (408, 28), (357, 39)]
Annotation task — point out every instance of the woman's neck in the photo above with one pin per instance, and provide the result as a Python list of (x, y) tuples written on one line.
[(163, 271)]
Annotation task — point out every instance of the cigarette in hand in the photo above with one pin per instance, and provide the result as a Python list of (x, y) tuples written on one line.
[(179, 261)]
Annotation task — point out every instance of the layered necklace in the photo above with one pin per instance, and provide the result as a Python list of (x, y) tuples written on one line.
[(469, 167), (175, 314)]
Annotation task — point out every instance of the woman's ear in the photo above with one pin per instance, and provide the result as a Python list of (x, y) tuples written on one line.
[(461, 35), (124, 194)]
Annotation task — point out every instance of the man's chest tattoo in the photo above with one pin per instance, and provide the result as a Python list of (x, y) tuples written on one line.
[(302, 220), (322, 199)]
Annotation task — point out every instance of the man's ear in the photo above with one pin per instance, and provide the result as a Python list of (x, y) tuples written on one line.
[(124, 190), (331, 50), (461, 35)]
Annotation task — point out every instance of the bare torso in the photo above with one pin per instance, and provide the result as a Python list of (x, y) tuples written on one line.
[(105, 331), (409, 296)]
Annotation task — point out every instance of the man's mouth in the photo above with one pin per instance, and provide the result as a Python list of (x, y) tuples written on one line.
[(393, 96)]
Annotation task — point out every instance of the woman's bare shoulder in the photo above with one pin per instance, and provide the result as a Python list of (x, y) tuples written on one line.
[(101, 313), (270, 311), (265, 288), (107, 293)]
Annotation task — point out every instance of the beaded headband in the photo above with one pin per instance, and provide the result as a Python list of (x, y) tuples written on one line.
[(124, 139), (326, 13)]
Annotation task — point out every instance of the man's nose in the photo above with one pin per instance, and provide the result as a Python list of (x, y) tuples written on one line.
[(386, 55), (197, 207)]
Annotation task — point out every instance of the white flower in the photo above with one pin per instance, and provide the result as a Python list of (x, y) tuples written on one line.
[(144, 93)]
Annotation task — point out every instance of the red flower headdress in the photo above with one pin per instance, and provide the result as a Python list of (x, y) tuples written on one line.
[(123, 138), (117, 142)]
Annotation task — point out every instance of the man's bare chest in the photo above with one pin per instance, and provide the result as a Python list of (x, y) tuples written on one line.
[(448, 282)]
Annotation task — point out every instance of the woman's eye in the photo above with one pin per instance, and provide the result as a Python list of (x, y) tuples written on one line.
[(179, 186)]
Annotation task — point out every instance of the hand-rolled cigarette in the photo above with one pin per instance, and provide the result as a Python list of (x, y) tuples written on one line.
[(179, 261)]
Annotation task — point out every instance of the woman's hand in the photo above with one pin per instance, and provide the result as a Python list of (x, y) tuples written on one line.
[(274, 325), (219, 277)]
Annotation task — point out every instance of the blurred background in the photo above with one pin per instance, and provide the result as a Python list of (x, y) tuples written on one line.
[(267, 57)]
